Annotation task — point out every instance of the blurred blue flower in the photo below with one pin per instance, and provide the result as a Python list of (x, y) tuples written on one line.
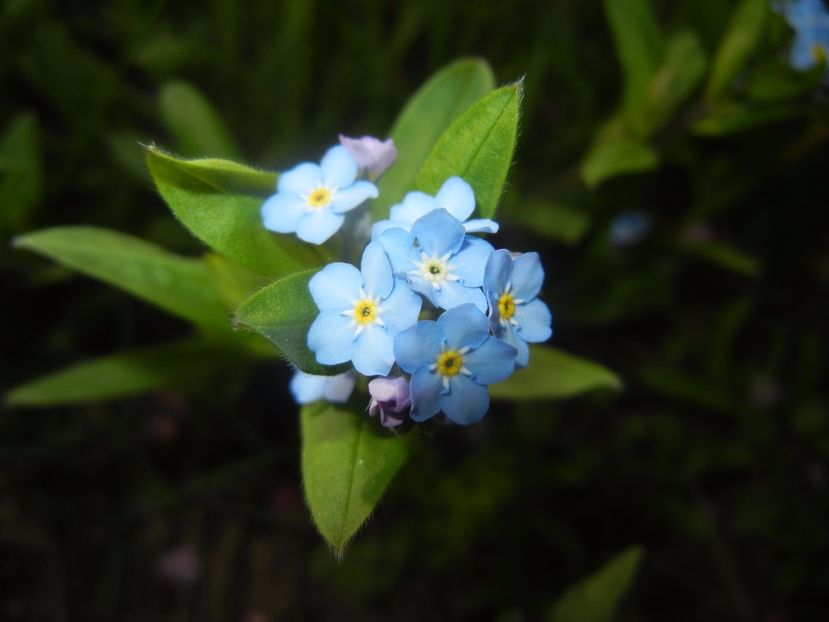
[(516, 316), (311, 199), (440, 261), (455, 196), (452, 360), (371, 154), (360, 313), (629, 228), (307, 388), (810, 21)]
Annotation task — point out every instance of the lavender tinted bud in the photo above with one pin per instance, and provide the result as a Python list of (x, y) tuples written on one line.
[(372, 155), (390, 400)]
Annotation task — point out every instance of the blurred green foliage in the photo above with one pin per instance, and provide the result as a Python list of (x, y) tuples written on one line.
[(184, 503)]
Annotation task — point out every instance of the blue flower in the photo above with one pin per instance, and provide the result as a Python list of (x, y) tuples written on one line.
[(455, 196), (515, 314), (311, 199), (440, 261), (452, 360), (360, 313), (810, 20), (307, 388), (628, 228)]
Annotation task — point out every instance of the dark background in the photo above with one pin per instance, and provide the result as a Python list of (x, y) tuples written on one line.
[(187, 505)]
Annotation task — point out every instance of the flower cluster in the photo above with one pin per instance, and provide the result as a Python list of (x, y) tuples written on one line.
[(810, 21), (434, 313)]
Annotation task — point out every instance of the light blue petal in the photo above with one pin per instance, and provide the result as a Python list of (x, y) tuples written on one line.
[(338, 167), (480, 225), (349, 198), (527, 276), (438, 233), (381, 226), (301, 179), (400, 248), (496, 274), (466, 402), (413, 206), (509, 336), (307, 388), (402, 308), (801, 54), (470, 261), (376, 271), (282, 212), (338, 388), (464, 326), (453, 294), (331, 338), (319, 225), (419, 345), (534, 321), (336, 287), (457, 198), (426, 390), (492, 361), (373, 353)]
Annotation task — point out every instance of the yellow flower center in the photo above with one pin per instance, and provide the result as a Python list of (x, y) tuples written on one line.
[(449, 363), (319, 198), (365, 312), (819, 53), (506, 306)]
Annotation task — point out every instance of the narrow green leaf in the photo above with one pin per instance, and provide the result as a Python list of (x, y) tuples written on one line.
[(478, 146), (219, 202), (21, 173), (194, 122), (233, 282), (179, 285), (728, 119), (553, 374), (617, 156), (740, 40), (426, 116), (596, 598), (551, 219), (125, 374), (283, 312), (347, 464), (725, 256)]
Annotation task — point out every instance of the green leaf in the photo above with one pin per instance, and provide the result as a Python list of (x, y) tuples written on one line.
[(233, 282), (426, 116), (21, 173), (478, 146), (283, 312), (179, 285), (219, 202), (740, 40), (125, 374), (595, 598), (195, 124), (347, 463), (553, 374), (617, 156), (551, 219), (725, 256), (640, 47), (728, 119)]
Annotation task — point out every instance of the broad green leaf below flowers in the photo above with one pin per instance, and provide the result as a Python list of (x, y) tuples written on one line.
[(219, 202), (596, 597), (478, 147), (431, 110), (348, 461), (179, 285), (283, 312), (553, 374), (125, 374)]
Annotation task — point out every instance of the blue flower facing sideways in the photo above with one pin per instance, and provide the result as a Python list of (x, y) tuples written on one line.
[(452, 360), (810, 20), (307, 388), (515, 314), (312, 198), (360, 313)]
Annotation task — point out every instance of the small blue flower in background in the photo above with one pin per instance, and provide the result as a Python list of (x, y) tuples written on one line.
[(371, 154), (452, 360), (810, 20), (455, 196), (311, 199), (629, 228), (516, 315), (360, 313), (440, 261), (307, 388)]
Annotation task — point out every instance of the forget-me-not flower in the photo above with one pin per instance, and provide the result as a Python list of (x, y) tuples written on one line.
[(439, 260), (516, 315), (307, 388), (455, 196), (390, 400), (371, 154), (810, 20), (360, 313), (452, 360), (312, 198)]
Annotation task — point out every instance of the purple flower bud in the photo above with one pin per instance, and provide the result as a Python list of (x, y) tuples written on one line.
[(390, 399), (371, 154)]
